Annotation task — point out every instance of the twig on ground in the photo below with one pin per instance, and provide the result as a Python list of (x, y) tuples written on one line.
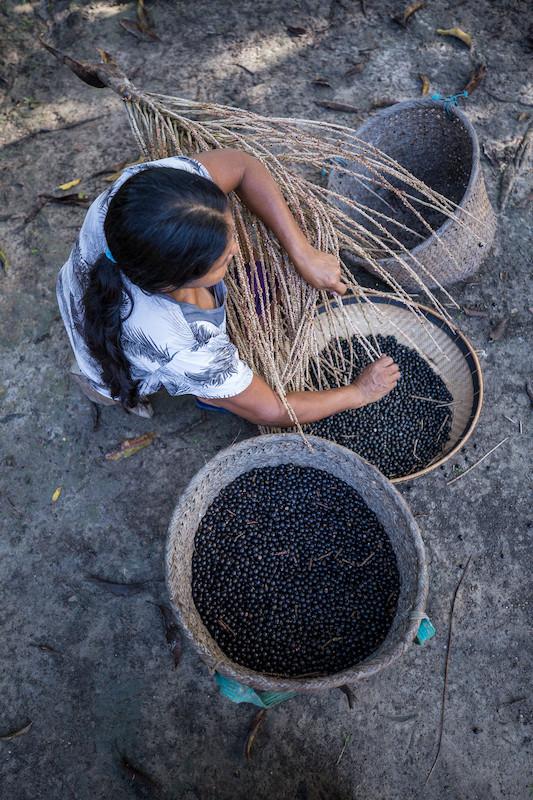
[(249, 71), (69, 126), (449, 483), (257, 722), (514, 168), (446, 669), (347, 739)]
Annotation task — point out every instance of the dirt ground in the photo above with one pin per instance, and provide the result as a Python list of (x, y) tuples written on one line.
[(91, 670)]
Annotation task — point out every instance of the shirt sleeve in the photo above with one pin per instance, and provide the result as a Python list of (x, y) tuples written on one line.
[(211, 367)]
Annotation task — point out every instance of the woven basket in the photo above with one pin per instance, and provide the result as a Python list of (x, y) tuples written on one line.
[(448, 351), (379, 495), (439, 147)]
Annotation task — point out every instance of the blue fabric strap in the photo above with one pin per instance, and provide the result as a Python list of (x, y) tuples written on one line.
[(450, 101), (108, 255)]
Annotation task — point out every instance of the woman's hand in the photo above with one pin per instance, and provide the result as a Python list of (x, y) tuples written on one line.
[(321, 270), (375, 381)]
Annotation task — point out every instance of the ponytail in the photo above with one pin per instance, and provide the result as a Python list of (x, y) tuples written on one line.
[(103, 327), (166, 227)]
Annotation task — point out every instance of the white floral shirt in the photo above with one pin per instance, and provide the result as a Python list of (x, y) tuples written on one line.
[(176, 345)]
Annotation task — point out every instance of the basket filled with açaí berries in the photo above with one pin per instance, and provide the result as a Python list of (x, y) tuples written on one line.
[(293, 564)]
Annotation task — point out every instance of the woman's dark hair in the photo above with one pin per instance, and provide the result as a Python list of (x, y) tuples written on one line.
[(164, 227)]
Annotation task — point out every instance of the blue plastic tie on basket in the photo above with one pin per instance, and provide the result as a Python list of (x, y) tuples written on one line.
[(451, 101), (239, 693), (426, 631)]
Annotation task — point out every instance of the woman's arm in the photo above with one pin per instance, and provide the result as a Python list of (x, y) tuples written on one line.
[(260, 405), (234, 170)]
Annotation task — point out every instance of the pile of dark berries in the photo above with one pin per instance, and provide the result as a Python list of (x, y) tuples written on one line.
[(293, 574), (401, 433)]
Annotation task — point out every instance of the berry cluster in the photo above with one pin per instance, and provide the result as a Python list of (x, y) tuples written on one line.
[(401, 433), (293, 574)]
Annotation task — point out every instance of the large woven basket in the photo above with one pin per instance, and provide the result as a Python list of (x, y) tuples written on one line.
[(378, 494), (447, 350), (439, 147)]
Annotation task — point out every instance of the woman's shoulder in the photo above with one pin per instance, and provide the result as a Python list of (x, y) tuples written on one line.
[(181, 162)]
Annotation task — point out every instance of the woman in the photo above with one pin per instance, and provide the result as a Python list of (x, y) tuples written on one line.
[(142, 294)]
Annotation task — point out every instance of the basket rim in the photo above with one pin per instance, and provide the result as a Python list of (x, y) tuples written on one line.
[(457, 336), (257, 679), (474, 172)]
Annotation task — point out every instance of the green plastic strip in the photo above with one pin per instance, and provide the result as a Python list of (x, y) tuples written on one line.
[(426, 631), (239, 693)]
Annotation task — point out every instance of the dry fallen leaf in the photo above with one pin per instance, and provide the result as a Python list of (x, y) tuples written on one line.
[(69, 184), (350, 696), (14, 734), (56, 495), (117, 588), (143, 18), (498, 332), (475, 312), (4, 263), (172, 633), (294, 30), (106, 57), (142, 28), (46, 648), (321, 82), (131, 446), (475, 78), (383, 102), (457, 33), (133, 27), (257, 721), (355, 69), (120, 168), (332, 105), (411, 9), (72, 199), (140, 778), (425, 84)]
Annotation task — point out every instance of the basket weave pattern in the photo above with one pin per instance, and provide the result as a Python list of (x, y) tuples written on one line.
[(378, 494), (441, 148), (448, 352)]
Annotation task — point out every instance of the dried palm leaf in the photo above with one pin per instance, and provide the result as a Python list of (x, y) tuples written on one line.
[(279, 339)]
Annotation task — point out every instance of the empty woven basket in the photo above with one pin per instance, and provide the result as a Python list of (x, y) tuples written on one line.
[(439, 147), (379, 495), (448, 352)]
